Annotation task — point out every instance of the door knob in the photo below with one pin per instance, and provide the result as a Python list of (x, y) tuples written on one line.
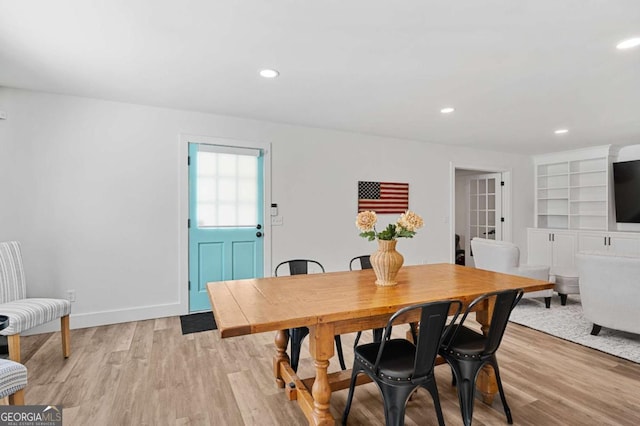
[(258, 226), (258, 234)]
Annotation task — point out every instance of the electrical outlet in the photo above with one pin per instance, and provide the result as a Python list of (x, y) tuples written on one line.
[(71, 295)]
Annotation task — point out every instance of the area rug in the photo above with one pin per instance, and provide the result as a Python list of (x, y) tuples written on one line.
[(567, 322), (195, 323)]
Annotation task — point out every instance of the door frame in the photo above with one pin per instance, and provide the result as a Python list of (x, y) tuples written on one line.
[(507, 227), (183, 191)]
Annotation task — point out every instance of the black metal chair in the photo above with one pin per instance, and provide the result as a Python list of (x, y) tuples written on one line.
[(399, 366), (364, 260), (297, 335), (467, 351), (365, 263)]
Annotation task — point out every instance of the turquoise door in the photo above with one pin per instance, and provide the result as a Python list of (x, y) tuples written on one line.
[(225, 217)]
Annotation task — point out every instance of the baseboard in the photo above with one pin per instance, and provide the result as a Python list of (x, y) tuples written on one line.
[(94, 319)]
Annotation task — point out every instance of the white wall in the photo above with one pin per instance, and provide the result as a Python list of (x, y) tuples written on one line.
[(92, 189)]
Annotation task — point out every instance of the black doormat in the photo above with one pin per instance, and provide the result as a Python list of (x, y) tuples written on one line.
[(194, 323)]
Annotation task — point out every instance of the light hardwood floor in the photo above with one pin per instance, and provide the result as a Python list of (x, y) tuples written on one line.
[(148, 373)]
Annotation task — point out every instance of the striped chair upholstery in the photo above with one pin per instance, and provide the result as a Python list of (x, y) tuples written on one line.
[(25, 313), (13, 379)]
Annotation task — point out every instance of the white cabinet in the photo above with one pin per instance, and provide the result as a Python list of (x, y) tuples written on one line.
[(558, 248), (626, 244), (572, 189), (574, 209), (551, 247)]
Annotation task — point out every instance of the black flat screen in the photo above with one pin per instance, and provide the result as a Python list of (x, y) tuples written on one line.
[(626, 188)]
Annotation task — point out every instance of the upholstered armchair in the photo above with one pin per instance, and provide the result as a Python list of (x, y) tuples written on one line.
[(25, 313), (502, 256), (610, 290), (13, 380)]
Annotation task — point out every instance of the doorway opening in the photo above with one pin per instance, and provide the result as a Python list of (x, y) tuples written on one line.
[(480, 207)]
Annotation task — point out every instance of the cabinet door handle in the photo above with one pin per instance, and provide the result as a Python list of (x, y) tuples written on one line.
[(605, 241), (609, 240)]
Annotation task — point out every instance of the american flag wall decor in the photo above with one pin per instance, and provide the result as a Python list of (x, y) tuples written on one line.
[(383, 197)]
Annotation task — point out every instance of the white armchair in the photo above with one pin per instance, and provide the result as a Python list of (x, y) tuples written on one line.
[(610, 290), (501, 256)]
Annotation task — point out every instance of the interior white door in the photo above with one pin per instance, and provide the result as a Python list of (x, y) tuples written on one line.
[(485, 207)]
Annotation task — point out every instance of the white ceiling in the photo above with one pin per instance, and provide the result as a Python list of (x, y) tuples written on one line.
[(514, 70)]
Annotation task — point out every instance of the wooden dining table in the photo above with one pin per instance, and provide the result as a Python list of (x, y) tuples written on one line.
[(335, 303)]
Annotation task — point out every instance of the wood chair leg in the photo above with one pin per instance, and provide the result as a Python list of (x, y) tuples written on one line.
[(66, 336), (14, 347), (17, 398)]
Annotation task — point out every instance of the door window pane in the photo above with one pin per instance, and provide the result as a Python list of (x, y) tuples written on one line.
[(227, 190), (247, 190), (247, 166), (484, 206), (482, 186), (227, 164)]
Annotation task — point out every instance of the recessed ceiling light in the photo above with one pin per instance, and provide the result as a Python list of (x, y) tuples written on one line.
[(561, 131), (447, 110), (629, 43), (269, 73)]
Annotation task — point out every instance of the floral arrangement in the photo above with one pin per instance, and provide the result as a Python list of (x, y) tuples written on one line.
[(405, 227)]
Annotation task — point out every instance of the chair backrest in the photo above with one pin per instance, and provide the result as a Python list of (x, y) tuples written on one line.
[(365, 262), (496, 256), (610, 289), (12, 280), (504, 302), (431, 333), (298, 266)]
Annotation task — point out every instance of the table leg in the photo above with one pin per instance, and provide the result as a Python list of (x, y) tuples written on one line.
[(321, 348), (281, 341), (486, 383)]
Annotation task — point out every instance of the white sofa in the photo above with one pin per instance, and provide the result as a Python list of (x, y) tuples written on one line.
[(610, 290), (502, 256)]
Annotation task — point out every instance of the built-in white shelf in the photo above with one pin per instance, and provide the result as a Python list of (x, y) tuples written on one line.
[(572, 189)]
